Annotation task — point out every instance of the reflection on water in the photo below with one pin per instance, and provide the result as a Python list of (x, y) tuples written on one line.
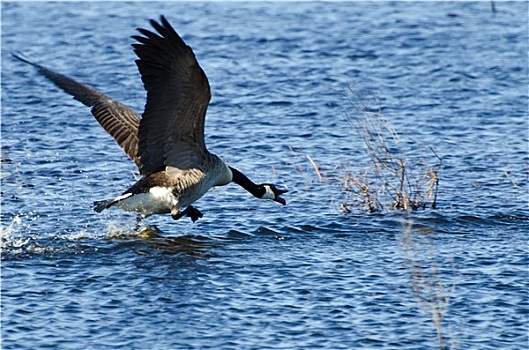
[(150, 239)]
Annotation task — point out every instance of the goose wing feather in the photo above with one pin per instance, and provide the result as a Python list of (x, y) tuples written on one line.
[(118, 120), (171, 131)]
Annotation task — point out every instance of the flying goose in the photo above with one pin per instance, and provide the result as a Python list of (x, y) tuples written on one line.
[(167, 142)]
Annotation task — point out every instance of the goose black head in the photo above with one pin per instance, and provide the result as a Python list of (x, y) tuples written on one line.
[(273, 193)]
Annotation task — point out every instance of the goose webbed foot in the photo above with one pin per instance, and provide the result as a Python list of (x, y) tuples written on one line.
[(190, 211)]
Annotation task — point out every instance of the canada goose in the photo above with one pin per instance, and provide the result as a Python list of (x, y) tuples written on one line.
[(167, 142)]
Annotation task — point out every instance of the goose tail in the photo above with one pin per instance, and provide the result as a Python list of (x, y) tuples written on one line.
[(99, 206)]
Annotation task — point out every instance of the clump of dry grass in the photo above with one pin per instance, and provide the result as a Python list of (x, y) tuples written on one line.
[(392, 180)]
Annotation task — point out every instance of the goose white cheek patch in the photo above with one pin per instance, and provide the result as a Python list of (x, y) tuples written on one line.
[(269, 194)]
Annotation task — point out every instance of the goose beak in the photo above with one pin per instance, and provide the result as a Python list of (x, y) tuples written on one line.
[(279, 199)]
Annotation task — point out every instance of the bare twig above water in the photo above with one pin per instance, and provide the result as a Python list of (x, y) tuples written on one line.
[(317, 169)]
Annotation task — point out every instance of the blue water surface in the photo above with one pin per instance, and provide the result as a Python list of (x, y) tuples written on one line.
[(285, 78)]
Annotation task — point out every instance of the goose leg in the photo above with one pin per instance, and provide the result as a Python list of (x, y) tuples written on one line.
[(190, 211), (193, 213)]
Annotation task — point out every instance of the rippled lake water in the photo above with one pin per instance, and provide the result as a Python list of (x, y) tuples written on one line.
[(251, 274)]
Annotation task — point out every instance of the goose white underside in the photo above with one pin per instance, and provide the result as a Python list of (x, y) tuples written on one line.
[(159, 200)]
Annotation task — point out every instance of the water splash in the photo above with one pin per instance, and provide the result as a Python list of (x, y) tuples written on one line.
[(8, 237)]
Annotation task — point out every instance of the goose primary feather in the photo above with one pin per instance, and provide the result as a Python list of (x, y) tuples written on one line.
[(167, 142)]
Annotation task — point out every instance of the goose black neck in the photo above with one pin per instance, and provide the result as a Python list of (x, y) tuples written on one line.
[(241, 180)]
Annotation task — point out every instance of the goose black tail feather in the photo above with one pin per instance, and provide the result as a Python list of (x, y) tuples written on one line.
[(99, 206)]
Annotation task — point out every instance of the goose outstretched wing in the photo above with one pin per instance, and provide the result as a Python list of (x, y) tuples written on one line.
[(118, 120), (171, 131)]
